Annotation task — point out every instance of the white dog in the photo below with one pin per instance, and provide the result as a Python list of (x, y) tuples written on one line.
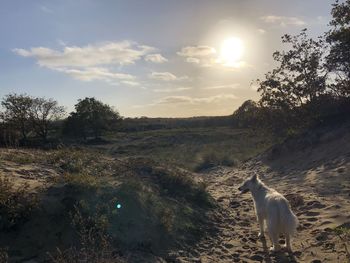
[(274, 208)]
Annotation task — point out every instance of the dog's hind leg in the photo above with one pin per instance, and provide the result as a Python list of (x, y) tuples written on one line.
[(273, 233), (288, 247), (274, 239)]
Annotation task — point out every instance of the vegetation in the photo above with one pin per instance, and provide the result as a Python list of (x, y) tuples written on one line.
[(338, 37), (344, 235), (24, 114), (193, 148), (95, 244), (91, 117), (16, 204), (310, 84), (163, 203)]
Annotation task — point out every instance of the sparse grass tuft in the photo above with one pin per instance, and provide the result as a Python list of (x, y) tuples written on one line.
[(344, 235), (18, 157), (172, 181), (95, 244), (16, 204), (74, 160), (212, 158), (81, 180)]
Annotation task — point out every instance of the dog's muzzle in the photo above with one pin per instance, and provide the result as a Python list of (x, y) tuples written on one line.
[(243, 191)]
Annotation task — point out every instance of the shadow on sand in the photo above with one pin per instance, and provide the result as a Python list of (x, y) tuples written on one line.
[(281, 256)]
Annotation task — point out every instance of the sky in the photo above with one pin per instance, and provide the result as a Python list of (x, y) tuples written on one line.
[(155, 58)]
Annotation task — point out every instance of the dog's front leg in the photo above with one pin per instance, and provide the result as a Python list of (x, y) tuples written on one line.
[(261, 225)]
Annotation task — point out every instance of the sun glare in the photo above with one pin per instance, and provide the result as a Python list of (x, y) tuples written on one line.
[(232, 50)]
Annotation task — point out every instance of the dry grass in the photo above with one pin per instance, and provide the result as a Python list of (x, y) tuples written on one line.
[(16, 204), (344, 235), (95, 244)]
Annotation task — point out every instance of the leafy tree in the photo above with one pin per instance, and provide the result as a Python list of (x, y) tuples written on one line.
[(42, 113), (91, 117), (247, 114), (17, 112), (338, 60), (300, 76)]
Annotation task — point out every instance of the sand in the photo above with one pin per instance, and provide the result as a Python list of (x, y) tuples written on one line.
[(316, 178)]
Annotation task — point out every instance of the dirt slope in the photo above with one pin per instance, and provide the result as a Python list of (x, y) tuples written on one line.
[(314, 172)]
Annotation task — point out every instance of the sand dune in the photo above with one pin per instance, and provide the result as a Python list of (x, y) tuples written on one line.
[(316, 179), (314, 174)]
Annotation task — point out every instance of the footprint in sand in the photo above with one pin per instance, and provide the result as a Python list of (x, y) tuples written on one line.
[(315, 204), (312, 219), (312, 213)]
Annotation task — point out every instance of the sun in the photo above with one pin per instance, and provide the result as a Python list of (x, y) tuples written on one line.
[(231, 52)]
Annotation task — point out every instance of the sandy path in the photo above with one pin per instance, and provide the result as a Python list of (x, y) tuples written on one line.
[(235, 239)]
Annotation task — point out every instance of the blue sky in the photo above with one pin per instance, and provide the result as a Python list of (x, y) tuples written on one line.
[(147, 58)]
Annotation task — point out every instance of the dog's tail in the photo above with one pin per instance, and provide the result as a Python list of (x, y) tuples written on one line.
[(290, 219)]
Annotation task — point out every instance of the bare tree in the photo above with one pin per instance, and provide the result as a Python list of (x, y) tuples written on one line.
[(16, 112), (42, 113)]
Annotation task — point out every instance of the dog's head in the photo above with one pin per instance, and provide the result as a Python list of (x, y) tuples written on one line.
[(248, 184)]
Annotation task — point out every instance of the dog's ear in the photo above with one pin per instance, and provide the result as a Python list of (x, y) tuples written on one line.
[(254, 177)]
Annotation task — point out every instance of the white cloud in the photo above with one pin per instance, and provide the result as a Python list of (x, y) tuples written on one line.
[(109, 53), (130, 83), (261, 31), (165, 76), (196, 51), (155, 58), (61, 42), (202, 55), (191, 100), (173, 89), (228, 86), (92, 74), (283, 20), (206, 56), (91, 62), (45, 9), (193, 60)]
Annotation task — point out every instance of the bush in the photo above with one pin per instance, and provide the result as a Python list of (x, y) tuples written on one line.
[(79, 161), (95, 243), (172, 182), (211, 159)]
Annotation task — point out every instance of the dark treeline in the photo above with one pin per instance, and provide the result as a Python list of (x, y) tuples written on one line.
[(144, 123), (311, 84), (35, 121)]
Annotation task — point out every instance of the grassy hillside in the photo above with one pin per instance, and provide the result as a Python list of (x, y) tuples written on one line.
[(78, 200), (191, 148), (133, 196)]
